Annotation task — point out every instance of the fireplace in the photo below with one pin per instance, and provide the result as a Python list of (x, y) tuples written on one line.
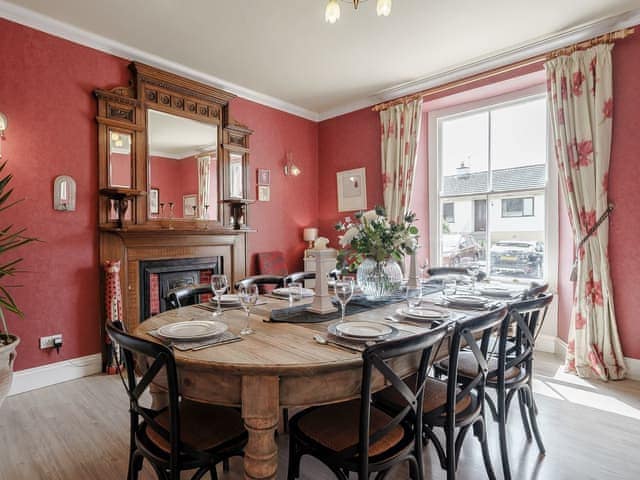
[(158, 277)]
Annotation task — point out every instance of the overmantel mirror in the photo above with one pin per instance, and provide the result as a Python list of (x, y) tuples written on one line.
[(162, 155)]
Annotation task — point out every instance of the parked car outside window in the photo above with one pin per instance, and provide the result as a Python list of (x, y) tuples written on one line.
[(459, 249), (517, 258)]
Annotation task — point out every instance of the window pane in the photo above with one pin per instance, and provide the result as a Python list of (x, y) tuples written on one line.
[(448, 212)]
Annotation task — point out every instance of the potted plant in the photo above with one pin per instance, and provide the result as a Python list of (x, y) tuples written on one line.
[(373, 246), (10, 239)]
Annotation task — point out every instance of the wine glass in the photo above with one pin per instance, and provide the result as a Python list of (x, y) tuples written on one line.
[(219, 285), (248, 298), (474, 269), (343, 291), (295, 292), (424, 266), (449, 286)]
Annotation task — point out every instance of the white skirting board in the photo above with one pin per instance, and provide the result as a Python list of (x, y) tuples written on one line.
[(633, 364), (45, 375)]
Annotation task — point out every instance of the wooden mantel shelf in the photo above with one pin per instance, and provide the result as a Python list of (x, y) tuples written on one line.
[(177, 230)]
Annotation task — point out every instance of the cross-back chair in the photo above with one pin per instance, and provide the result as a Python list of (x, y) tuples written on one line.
[(356, 436), (260, 280), (182, 436), (179, 297), (441, 271), (298, 277)]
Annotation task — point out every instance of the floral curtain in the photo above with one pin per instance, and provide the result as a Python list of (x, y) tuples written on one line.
[(580, 98), (204, 180), (400, 131)]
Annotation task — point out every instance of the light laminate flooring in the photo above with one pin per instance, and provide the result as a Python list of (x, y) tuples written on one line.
[(79, 430)]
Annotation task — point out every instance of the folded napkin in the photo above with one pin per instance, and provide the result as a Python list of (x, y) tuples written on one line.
[(226, 337)]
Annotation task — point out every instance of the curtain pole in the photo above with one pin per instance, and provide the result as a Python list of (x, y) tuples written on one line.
[(606, 38)]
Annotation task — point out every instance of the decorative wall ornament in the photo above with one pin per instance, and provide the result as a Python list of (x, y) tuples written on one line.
[(352, 190), (264, 176), (264, 193), (64, 193)]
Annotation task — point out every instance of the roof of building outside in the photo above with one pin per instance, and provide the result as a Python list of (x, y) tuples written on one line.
[(529, 177)]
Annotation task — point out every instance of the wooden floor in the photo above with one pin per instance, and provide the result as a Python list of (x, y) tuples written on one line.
[(79, 430)]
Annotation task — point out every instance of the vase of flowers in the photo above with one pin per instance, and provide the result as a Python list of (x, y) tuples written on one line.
[(372, 246)]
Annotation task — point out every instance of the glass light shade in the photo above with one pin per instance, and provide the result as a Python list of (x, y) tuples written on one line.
[(383, 8), (310, 234), (3, 123), (332, 12)]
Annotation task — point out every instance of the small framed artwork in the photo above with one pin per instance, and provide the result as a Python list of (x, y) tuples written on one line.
[(189, 203), (352, 190), (264, 177), (154, 201), (264, 193)]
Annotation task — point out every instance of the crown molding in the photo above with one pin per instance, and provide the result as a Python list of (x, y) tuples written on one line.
[(503, 58), (38, 21)]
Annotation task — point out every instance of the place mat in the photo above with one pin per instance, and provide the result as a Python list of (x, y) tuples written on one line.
[(214, 307), (226, 337), (358, 304)]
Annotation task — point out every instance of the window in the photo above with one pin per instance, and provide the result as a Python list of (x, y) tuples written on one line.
[(448, 212), (517, 207), (489, 160)]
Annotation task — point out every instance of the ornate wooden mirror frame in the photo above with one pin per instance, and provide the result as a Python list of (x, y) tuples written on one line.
[(123, 110)]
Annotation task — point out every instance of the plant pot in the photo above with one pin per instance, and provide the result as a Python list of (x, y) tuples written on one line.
[(379, 280), (7, 357)]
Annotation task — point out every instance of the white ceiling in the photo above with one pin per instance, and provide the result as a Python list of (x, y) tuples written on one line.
[(284, 49), (178, 137)]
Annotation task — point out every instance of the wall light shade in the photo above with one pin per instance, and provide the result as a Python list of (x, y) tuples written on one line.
[(3, 123), (383, 8), (310, 234), (290, 168), (332, 12)]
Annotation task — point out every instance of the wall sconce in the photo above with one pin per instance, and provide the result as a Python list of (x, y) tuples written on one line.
[(290, 168), (64, 194), (3, 126)]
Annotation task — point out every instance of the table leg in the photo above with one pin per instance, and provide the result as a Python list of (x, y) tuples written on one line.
[(260, 411)]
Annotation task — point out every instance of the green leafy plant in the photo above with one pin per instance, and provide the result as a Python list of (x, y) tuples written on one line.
[(10, 239), (373, 235)]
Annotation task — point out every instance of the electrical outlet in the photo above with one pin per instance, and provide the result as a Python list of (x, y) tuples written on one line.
[(49, 342)]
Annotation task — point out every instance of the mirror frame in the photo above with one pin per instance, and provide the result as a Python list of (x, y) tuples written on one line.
[(125, 109)]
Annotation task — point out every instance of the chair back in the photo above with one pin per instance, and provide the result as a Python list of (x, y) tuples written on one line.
[(376, 358), (158, 359), (260, 280), (527, 316), (439, 271), (298, 277), (179, 297), (534, 290), (467, 332)]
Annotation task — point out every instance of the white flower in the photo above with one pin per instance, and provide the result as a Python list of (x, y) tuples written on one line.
[(345, 239), (412, 243), (370, 216)]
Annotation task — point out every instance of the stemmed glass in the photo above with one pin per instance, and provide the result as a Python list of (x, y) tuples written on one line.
[(248, 299), (219, 285), (474, 269), (424, 266), (343, 291), (295, 292)]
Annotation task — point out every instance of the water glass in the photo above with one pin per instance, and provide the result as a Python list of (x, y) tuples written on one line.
[(248, 298), (219, 285), (295, 292), (474, 270), (344, 292), (449, 286), (413, 297)]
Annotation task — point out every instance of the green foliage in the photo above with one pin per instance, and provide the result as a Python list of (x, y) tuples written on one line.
[(10, 239), (373, 235)]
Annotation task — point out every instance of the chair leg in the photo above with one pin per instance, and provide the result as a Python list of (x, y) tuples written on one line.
[(285, 420), (461, 434), (294, 460), (534, 422), (135, 465), (502, 427), (479, 429), (214, 472), (451, 453), (522, 401)]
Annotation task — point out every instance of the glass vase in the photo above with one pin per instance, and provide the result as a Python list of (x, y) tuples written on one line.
[(379, 280)]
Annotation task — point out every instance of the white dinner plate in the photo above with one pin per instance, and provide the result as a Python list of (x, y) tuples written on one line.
[(284, 292), (363, 330), (423, 313), (227, 299), (497, 291), (193, 330), (467, 300)]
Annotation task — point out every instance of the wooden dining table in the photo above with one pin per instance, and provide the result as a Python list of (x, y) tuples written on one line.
[(278, 366)]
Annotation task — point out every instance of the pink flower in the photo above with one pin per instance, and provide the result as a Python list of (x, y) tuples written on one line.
[(592, 66), (576, 84), (386, 179), (587, 219), (569, 183), (563, 87), (585, 149), (561, 116), (607, 110), (548, 84), (571, 346), (581, 322), (581, 252), (605, 182), (593, 290)]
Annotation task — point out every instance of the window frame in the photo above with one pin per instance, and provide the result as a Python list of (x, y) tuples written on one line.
[(522, 214), (453, 212), (550, 191)]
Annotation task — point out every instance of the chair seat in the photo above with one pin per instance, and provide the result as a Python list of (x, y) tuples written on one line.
[(202, 427), (336, 427), (468, 367), (435, 395)]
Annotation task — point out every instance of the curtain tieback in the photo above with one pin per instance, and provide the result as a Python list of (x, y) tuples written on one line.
[(590, 233)]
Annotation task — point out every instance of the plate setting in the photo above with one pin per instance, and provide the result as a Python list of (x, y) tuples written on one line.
[(192, 330), (227, 299), (284, 292), (466, 300), (423, 313), (362, 331)]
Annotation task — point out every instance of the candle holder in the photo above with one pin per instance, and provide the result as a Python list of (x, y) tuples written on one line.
[(171, 205)]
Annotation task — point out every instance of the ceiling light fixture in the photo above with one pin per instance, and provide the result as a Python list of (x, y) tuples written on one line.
[(332, 11)]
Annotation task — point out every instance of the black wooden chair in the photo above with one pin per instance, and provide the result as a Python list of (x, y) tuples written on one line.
[(298, 277), (535, 290), (179, 297), (260, 280), (356, 436), (184, 435), (450, 405), (511, 370), (442, 271)]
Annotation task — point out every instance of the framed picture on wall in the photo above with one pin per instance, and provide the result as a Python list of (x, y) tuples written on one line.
[(352, 190), (154, 201), (189, 205), (264, 176), (264, 193)]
